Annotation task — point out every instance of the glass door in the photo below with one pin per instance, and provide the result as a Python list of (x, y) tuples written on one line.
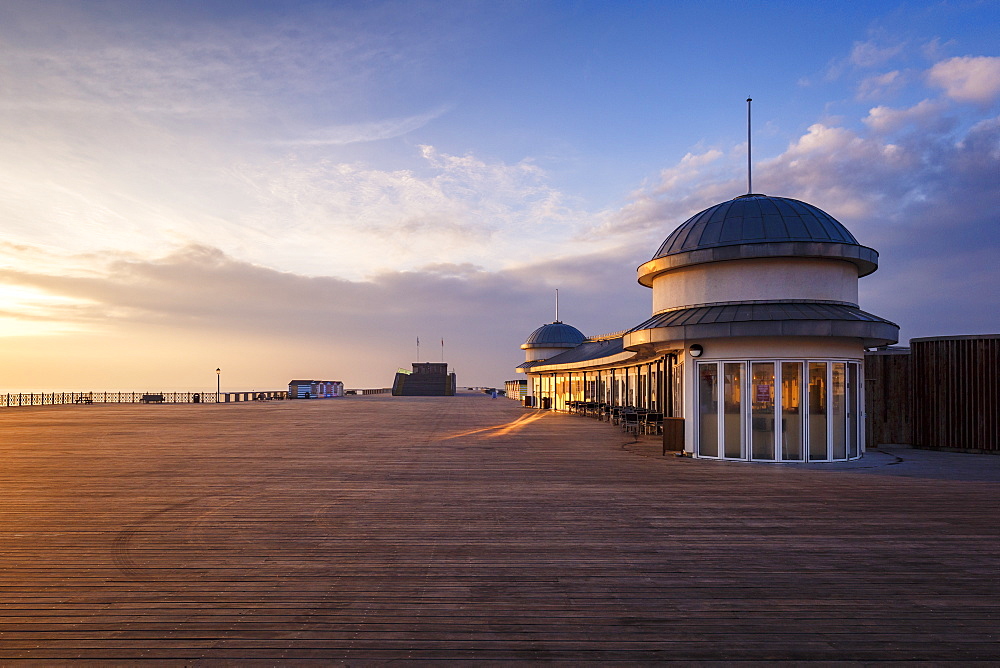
[(791, 412), (818, 423), (838, 410), (733, 422), (762, 411), (708, 409), (853, 411)]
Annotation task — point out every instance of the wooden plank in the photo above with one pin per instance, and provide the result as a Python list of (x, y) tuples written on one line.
[(469, 529)]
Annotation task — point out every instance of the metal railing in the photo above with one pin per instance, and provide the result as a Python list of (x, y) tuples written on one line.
[(58, 398), (63, 398)]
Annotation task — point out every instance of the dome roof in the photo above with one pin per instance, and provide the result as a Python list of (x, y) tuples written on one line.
[(758, 226), (753, 219), (555, 335)]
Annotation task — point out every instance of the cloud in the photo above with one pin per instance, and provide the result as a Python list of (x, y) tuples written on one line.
[(918, 184), (871, 54), (926, 113), (364, 132), (352, 219), (137, 60), (880, 85), (968, 78), (198, 302)]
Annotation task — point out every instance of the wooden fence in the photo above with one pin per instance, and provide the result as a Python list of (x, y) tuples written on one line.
[(956, 393), (888, 397), (942, 393)]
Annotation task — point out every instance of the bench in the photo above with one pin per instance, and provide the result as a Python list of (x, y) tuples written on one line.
[(83, 400), (152, 399)]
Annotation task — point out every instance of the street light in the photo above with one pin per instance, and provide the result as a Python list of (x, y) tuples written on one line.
[(218, 383)]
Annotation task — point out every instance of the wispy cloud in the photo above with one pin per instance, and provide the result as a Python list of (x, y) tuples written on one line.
[(364, 132), (874, 53), (490, 213)]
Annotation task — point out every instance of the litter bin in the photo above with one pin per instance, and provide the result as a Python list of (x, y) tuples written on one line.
[(673, 434), (546, 403), (529, 402), (196, 398)]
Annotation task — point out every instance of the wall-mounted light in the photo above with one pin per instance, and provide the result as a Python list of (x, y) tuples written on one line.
[(695, 350)]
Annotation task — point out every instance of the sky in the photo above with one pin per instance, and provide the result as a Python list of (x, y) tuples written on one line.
[(303, 189)]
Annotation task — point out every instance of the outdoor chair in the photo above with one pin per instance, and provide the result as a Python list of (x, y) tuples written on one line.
[(631, 422), (652, 423)]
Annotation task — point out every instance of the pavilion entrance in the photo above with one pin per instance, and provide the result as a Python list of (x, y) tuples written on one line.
[(779, 410)]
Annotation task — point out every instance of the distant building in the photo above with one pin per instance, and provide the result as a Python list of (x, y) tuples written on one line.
[(315, 389), (427, 379), (756, 344), (517, 389)]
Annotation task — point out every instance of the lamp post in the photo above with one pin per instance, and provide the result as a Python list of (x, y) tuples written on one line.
[(218, 384)]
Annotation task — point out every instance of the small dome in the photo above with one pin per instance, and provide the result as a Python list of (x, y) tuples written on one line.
[(555, 335), (753, 219)]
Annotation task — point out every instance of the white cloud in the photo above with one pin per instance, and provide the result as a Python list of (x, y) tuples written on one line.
[(968, 79), (351, 219), (915, 184), (871, 54), (885, 120)]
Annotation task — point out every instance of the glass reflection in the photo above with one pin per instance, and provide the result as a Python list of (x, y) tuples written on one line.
[(852, 410), (817, 411), (732, 410), (791, 411), (762, 411), (838, 411), (708, 410)]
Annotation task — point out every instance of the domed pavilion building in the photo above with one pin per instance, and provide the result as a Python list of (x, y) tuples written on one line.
[(756, 340)]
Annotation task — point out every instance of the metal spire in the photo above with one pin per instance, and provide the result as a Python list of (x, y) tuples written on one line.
[(749, 163), (557, 304)]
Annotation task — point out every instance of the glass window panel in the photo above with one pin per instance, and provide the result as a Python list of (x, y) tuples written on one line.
[(642, 378), (817, 411), (708, 410), (852, 411), (762, 411), (654, 386), (838, 410), (791, 411), (677, 378), (732, 392)]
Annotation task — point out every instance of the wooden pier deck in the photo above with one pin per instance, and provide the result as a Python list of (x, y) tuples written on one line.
[(379, 529)]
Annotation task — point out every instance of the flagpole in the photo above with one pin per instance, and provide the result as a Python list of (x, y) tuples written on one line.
[(749, 161), (418, 348)]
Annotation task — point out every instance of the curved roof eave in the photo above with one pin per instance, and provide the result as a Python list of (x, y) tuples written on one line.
[(610, 360), (871, 333), (864, 258)]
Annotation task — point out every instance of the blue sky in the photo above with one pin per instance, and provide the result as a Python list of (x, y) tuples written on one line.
[(291, 189)]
